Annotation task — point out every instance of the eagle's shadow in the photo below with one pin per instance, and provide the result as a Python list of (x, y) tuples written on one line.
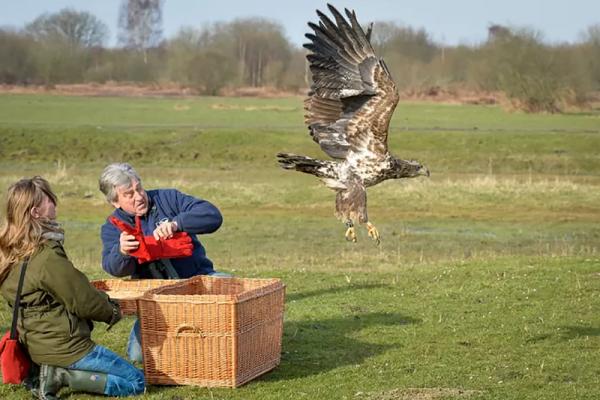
[(576, 332), (311, 347), (332, 290)]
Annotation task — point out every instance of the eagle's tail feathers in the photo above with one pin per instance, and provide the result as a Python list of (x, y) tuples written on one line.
[(319, 168)]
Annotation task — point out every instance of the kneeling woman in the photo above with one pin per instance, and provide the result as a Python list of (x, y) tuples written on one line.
[(58, 304)]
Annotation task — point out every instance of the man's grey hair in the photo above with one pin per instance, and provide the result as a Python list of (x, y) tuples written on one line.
[(114, 176)]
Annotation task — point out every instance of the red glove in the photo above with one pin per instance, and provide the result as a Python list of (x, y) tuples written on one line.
[(150, 249), (177, 246)]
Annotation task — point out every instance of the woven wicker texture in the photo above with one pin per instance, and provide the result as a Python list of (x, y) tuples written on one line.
[(127, 291), (208, 331)]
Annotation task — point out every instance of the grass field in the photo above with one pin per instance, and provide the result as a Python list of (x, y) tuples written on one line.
[(487, 282)]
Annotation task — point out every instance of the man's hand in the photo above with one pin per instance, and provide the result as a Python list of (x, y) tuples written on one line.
[(127, 243), (147, 248), (165, 230)]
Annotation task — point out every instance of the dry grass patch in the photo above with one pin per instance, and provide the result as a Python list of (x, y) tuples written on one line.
[(423, 394), (181, 107)]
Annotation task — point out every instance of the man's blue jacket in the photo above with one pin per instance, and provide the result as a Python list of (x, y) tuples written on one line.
[(193, 215)]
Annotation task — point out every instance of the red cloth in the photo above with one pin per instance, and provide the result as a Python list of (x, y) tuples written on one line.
[(14, 360), (150, 249)]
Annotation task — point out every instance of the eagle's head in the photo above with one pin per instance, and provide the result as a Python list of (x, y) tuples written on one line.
[(408, 169)]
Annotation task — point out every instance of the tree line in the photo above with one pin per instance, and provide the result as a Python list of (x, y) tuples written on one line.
[(70, 47)]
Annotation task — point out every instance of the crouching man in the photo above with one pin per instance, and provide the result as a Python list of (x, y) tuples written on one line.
[(152, 234)]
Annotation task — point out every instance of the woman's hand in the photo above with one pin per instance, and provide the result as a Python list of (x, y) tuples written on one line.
[(116, 314)]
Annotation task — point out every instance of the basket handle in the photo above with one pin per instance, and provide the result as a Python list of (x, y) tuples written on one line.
[(184, 327)]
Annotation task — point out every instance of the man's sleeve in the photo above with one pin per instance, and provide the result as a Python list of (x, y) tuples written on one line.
[(113, 261), (195, 215)]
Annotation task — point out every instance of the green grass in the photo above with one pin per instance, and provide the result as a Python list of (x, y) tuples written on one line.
[(486, 284)]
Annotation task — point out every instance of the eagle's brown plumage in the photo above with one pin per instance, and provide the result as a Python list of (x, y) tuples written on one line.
[(348, 113)]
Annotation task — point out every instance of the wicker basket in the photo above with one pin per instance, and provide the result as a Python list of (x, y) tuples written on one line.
[(207, 331), (127, 291)]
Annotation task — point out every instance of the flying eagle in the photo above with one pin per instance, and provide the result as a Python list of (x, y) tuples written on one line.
[(348, 112)]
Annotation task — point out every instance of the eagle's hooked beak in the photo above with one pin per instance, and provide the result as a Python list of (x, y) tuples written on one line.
[(423, 171)]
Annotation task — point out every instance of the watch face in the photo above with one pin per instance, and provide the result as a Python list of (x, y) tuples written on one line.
[(162, 221)]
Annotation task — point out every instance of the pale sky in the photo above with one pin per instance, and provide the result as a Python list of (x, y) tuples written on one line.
[(447, 21)]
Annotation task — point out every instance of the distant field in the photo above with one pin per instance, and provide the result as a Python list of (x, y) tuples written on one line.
[(487, 282)]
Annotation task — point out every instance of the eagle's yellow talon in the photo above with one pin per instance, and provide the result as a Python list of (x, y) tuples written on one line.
[(351, 234), (373, 233)]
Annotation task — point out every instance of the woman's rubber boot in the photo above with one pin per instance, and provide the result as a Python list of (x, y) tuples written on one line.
[(52, 379), (87, 381), (32, 381)]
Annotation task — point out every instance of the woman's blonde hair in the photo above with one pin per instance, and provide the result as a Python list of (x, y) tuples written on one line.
[(20, 233)]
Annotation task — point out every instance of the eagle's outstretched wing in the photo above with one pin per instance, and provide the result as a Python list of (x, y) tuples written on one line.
[(352, 96)]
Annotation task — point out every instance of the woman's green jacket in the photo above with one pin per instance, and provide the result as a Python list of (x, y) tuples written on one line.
[(58, 304)]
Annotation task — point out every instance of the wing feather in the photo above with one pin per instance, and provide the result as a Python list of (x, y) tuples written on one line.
[(353, 95), (350, 36)]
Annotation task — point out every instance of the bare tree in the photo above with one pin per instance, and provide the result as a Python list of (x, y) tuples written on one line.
[(16, 63), (140, 22), (592, 53), (210, 71), (260, 43), (527, 70), (414, 44), (498, 32), (78, 28), (383, 33), (592, 35)]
